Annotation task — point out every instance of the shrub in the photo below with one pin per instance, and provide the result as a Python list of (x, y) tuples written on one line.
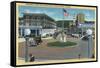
[(61, 44)]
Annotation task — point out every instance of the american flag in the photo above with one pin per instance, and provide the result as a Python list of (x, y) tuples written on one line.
[(65, 12)]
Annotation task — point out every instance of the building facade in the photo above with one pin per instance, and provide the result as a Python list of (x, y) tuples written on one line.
[(80, 18), (36, 23)]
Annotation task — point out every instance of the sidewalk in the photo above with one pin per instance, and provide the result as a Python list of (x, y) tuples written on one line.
[(21, 39)]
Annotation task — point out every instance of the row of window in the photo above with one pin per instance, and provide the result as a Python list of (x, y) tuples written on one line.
[(37, 18)]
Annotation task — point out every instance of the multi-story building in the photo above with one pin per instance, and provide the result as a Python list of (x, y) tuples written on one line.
[(37, 23), (80, 18)]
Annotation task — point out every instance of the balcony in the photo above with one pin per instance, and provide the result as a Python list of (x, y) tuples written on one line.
[(33, 27)]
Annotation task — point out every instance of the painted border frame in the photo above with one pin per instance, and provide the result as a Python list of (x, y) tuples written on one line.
[(13, 33)]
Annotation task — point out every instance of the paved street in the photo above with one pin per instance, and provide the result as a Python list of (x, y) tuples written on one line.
[(43, 52)]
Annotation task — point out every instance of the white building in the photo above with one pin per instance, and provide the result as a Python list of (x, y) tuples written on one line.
[(39, 24)]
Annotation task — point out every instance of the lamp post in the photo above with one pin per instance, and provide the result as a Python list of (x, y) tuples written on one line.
[(26, 33), (89, 33), (81, 29), (80, 26)]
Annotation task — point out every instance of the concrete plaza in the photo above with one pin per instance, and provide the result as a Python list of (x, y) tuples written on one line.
[(42, 52)]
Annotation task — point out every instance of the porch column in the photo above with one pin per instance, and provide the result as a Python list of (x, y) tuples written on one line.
[(36, 32)]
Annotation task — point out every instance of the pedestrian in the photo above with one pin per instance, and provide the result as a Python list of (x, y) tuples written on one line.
[(32, 59)]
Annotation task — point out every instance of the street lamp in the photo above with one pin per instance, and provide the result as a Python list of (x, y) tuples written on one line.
[(26, 33), (89, 34), (80, 26)]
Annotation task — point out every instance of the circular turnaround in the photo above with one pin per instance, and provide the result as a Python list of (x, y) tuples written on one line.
[(89, 32), (61, 44), (27, 32)]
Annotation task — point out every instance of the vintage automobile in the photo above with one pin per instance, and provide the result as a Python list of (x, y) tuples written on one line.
[(85, 38), (35, 41)]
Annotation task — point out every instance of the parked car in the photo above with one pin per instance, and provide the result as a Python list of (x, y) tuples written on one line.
[(85, 38), (38, 40), (32, 42), (35, 41)]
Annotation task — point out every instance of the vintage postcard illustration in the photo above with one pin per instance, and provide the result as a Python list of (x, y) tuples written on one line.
[(55, 33)]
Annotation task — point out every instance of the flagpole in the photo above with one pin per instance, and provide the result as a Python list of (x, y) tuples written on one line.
[(63, 21), (63, 26), (63, 36)]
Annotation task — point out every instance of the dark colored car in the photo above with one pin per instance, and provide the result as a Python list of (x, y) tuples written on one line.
[(85, 38), (38, 40)]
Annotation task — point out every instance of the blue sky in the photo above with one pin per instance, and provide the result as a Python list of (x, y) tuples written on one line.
[(57, 13)]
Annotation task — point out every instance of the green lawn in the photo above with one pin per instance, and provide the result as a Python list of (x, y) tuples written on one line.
[(61, 44)]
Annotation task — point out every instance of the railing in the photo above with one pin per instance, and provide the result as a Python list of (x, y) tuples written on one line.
[(23, 26)]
